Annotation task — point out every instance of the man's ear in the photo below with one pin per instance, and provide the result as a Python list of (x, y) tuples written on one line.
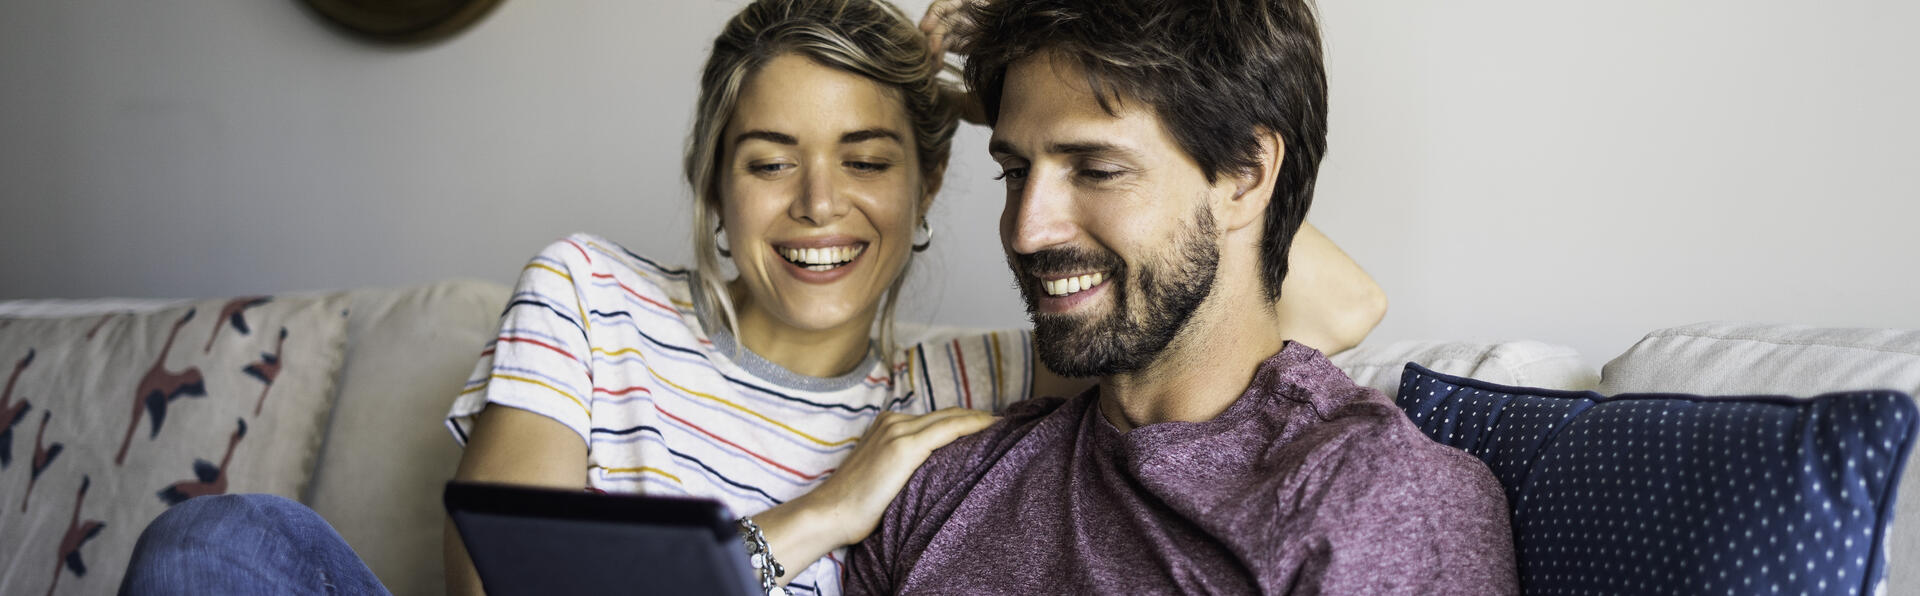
[(1253, 188)]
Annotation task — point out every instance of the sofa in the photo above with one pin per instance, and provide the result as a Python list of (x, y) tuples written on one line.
[(362, 441)]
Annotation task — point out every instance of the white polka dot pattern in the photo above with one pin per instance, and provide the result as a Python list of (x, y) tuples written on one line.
[(1680, 494)]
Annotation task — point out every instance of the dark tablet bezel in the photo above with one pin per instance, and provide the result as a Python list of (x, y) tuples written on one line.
[(695, 545), (526, 501)]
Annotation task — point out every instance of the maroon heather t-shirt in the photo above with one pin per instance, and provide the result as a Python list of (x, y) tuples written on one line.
[(1308, 484)]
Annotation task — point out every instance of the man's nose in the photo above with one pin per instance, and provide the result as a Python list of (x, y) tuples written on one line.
[(1040, 214)]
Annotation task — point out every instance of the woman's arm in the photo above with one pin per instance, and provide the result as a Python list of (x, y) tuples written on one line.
[(512, 446), (1327, 302), (847, 506), (515, 446)]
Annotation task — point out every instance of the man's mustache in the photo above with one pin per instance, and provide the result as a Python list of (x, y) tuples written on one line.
[(1055, 262)]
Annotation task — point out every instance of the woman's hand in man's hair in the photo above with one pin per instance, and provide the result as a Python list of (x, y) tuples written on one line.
[(945, 23), (946, 26)]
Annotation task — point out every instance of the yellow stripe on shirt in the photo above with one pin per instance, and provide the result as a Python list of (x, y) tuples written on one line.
[(642, 470), (558, 272), (576, 400), (717, 399)]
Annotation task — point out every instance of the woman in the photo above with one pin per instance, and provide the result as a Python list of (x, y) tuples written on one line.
[(819, 143)]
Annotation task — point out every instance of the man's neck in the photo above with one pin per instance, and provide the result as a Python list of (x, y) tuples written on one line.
[(1203, 371)]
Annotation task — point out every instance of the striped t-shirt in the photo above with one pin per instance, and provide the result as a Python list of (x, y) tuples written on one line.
[(610, 344)]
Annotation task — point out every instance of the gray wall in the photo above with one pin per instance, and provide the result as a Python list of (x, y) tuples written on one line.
[(1578, 173)]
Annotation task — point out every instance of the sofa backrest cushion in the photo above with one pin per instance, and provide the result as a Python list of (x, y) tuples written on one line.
[(388, 454), (1741, 358), (1525, 363), (1646, 493), (106, 420)]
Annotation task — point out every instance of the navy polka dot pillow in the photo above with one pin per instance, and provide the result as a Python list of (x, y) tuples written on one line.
[(1682, 494)]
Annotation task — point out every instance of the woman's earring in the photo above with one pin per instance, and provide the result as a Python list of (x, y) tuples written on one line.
[(720, 240), (921, 245)]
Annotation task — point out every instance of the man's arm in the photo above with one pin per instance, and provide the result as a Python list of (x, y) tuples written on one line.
[(1426, 520), (1327, 301), (872, 562), (876, 564), (867, 561), (880, 564)]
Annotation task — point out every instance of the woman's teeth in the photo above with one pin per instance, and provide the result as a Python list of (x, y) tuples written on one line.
[(1072, 285), (822, 259)]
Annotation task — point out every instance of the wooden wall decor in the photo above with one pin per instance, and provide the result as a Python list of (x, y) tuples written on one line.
[(402, 21)]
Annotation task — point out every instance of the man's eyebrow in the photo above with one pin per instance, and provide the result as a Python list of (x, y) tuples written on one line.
[(767, 135), (1090, 148), (860, 136), (1094, 148)]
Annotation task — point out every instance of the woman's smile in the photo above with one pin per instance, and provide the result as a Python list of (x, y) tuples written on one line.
[(820, 260)]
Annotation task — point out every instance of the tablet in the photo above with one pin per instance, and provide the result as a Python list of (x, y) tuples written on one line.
[(527, 540)]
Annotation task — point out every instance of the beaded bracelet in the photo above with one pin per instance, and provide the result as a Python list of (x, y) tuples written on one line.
[(762, 558)]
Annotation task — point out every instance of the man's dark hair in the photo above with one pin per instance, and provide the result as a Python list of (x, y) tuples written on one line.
[(1216, 72)]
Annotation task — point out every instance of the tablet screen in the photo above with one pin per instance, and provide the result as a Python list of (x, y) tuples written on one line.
[(541, 541)]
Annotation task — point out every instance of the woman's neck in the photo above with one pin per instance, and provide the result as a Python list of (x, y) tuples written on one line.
[(815, 353)]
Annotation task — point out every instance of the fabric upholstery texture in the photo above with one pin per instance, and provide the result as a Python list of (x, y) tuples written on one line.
[(107, 420), (387, 454), (1682, 494), (1729, 358), (1524, 363)]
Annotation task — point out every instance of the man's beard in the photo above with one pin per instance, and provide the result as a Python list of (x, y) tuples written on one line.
[(1170, 288)]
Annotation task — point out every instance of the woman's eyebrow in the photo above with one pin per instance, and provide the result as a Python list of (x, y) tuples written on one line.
[(767, 135), (861, 136), (858, 136)]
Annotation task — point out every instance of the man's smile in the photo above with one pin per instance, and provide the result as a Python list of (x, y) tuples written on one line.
[(1072, 284)]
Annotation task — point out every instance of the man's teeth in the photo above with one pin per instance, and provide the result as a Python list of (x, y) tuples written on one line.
[(1072, 285), (822, 259)]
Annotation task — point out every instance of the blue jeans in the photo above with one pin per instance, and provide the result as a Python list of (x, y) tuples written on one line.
[(245, 544)]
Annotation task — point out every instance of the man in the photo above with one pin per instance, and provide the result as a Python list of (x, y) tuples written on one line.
[(1158, 158)]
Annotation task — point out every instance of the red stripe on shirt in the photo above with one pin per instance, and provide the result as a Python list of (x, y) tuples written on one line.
[(522, 340), (645, 299), (623, 391), (734, 445), (583, 252)]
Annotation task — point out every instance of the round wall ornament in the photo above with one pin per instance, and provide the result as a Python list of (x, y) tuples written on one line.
[(402, 21)]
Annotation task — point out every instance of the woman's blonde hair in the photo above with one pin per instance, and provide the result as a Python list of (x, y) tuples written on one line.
[(870, 38)]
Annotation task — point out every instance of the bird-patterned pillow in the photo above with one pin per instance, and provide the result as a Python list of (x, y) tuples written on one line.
[(108, 420)]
